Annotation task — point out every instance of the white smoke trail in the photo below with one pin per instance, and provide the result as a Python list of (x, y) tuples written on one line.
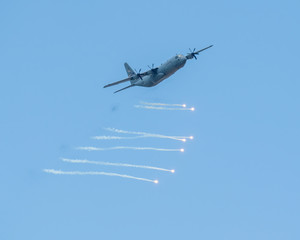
[(164, 104), (126, 132), (115, 137), (131, 148), (153, 135), (117, 164), (164, 108), (59, 172)]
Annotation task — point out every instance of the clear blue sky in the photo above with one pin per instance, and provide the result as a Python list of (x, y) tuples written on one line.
[(238, 179)]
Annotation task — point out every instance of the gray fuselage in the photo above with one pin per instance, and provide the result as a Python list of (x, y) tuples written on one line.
[(164, 71)]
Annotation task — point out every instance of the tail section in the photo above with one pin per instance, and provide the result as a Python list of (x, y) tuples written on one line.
[(129, 70)]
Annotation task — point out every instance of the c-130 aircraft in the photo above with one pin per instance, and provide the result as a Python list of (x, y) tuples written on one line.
[(156, 75)]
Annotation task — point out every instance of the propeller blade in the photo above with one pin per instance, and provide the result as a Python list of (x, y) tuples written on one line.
[(152, 70), (193, 54)]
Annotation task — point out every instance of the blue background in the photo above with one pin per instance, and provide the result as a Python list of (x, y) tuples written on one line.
[(239, 177)]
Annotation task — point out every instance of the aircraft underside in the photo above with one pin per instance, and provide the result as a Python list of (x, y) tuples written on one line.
[(156, 75)]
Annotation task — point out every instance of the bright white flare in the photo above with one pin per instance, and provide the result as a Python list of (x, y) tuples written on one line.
[(131, 148), (59, 172), (164, 104), (116, 164), (181, 150), (164, 108)]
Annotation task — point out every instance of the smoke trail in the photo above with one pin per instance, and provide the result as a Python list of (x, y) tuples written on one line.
[(164, 104), (127, 132), (131, 148), (145, 135), (59, 172), (115, 137), (117, 164), (165, 108)]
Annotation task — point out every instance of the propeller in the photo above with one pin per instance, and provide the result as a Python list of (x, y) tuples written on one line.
[(193, 54), (138, 74), (152, 69)]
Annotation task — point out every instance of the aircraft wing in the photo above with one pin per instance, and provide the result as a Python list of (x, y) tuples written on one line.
[(193, 54), (136, 76), (203, 49), (118, 82), (124, 88)]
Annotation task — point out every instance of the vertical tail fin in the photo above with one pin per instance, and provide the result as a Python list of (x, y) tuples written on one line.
[(129, 70)]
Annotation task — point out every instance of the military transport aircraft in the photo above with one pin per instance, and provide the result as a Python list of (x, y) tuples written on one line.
[(154, 76)]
